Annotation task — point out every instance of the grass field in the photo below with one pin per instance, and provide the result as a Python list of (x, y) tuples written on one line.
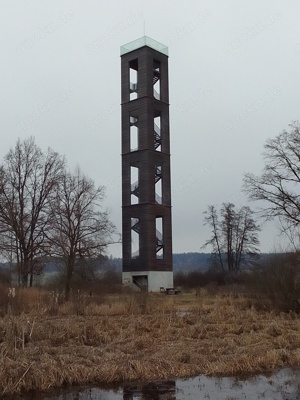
[(47, 343)]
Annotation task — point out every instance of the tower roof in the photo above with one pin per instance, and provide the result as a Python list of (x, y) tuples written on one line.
[(141, 42)]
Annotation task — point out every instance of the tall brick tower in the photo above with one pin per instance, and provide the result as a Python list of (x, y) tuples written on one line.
[(146, 183)]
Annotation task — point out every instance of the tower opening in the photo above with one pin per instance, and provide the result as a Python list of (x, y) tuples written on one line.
[(157, 131), (159, 237), (135, 237), (134, 133), (158, 184), (156, 79), (134, 179), (133, 79)]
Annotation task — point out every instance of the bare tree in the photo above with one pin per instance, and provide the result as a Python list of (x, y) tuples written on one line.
[(212, 219), (234, 235), (28, 178), (279, 183), (80, 231)]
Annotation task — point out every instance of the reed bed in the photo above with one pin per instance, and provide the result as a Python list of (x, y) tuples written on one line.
[(138, 336)]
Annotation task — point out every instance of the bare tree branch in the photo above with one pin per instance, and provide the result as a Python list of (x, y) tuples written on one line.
[(279, 184), (79, 229), (28, 177)]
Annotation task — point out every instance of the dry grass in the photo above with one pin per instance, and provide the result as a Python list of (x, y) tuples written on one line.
[(139, 337)]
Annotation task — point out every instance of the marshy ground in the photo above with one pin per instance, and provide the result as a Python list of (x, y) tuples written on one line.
[(139, 336)]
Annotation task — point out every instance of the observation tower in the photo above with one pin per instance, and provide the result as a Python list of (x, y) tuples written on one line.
[(146, 182)]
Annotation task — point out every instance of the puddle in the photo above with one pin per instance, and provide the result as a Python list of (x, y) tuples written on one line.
[(284, 384)]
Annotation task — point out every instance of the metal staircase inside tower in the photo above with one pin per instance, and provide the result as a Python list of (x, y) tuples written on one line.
[(159, 241), (135, 225), (156, 78), (135, 189), (157, 136)]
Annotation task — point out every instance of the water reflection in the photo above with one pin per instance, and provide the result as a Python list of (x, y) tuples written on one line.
[(284, 384), (150, 391), (159, 390)]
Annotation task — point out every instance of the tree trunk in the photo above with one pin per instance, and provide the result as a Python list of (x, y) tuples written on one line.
[(24, 279), (67, 289), (31, 279)]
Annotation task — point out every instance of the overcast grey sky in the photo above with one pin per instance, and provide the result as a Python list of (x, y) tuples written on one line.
[(233, 77)]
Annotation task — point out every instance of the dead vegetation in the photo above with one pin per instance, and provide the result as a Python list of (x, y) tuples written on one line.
[(47, 343)]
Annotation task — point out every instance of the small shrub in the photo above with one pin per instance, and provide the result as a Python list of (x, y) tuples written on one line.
[(4, 298), (198, 279), (277, 282), (5, 276)]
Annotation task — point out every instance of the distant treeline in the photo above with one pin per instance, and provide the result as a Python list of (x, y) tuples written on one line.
[(182, 262)]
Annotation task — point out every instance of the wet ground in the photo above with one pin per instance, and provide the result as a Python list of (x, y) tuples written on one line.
[(283, 384)]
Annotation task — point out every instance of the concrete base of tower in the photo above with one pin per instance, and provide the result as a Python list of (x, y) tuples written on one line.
[(150, 281)]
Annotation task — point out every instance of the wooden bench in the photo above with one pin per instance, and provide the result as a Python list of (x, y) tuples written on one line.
[(170, 291)]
